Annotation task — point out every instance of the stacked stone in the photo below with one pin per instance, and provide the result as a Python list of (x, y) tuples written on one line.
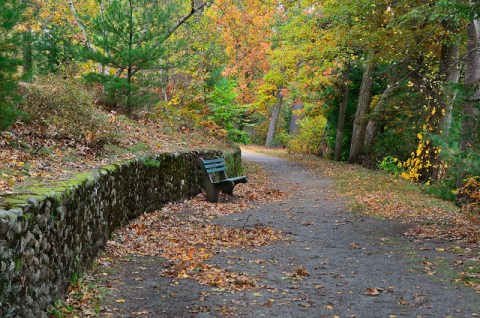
[(46, 241)]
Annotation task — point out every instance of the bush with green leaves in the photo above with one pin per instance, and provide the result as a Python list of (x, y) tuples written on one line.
[(67, 110), (8, 115), (225, 112), (309, 135), (390, 165)]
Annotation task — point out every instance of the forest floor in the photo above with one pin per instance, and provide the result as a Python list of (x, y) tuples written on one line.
[(35, 155), (304, 238)]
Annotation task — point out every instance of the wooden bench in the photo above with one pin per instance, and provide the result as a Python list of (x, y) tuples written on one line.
[(216, 180)]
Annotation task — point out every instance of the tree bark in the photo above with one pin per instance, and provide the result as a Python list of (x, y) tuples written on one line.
[(469, 130), (80, 25), (272, 127), (323, 149), (372, 126), (360, 123), (344, 91), (130, 66), (296, 107), (450, 73), (470, 114)]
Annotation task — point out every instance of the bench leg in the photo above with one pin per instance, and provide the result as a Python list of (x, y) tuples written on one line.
[(212, 194), (228, 190)]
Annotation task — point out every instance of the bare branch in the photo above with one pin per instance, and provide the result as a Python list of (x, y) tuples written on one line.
[(80, 26), (193, 10)]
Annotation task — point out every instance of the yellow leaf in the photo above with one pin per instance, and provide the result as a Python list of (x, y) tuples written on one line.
[(20, 163), (120, 300)]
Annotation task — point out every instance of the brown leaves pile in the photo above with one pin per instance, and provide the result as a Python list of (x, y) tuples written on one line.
[(184, 234)]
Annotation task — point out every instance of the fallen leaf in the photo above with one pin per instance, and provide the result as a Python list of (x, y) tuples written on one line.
[(372, 292), (139, 313), (355, 245)]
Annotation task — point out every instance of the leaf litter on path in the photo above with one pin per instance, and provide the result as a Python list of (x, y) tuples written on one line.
[(378, 194), (185, 234)]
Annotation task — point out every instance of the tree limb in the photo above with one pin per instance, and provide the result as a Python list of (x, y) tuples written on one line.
[(80, 26), (193, 10)]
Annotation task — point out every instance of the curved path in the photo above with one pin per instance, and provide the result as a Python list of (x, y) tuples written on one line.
[(357, 266)]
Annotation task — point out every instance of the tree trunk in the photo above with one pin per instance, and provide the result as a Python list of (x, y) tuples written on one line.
[(80, 25), (130, 66), (469, 130), (360, 123), (344, 91), (323, 149), (372, 126), (296, 107), (27, 69), (450, 73), (272, 127)]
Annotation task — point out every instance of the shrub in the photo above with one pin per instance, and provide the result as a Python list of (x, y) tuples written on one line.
[(67, 110), (390, 165), (309, 135), (443, 189), (468, 197), (225, 112), (8, 115)]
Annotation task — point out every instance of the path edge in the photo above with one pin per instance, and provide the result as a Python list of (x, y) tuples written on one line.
[(51, 235)]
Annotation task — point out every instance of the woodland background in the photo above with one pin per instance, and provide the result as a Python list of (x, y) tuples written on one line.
[(389, 84)]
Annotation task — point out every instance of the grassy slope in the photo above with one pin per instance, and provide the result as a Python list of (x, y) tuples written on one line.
[(33, 154)]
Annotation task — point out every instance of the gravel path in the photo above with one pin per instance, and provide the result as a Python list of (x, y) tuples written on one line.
[(357, 266)]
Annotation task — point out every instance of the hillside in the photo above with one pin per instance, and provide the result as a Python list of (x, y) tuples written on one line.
[(63, 133)]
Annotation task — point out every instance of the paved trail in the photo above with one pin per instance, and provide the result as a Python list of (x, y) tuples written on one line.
[(349, 258)]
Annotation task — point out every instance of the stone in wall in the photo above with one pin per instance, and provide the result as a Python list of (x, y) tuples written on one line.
[(48, 238)]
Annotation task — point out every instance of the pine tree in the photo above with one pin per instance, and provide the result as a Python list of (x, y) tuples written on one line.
[(131, 35), (10, 14)]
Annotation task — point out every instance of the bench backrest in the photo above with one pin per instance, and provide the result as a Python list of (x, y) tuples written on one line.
[(214, 166)]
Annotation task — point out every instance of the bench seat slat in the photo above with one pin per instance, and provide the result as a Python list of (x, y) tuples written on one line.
[(216, 160), (214, 165), (215, 170)]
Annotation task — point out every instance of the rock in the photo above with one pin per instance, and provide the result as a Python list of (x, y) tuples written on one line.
[(47, 240), (33, 202), (41, 220)]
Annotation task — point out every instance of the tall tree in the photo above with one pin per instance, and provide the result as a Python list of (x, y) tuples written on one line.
[(470, 110), (361, 121), (297, 106), (246, 29), (342, 110), (276, 109), (10, 15), (131, 35)]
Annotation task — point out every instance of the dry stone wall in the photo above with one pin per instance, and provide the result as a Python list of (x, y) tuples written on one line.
[(46, 238)]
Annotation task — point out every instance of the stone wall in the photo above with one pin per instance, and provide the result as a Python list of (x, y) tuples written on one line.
[(48, 236)]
